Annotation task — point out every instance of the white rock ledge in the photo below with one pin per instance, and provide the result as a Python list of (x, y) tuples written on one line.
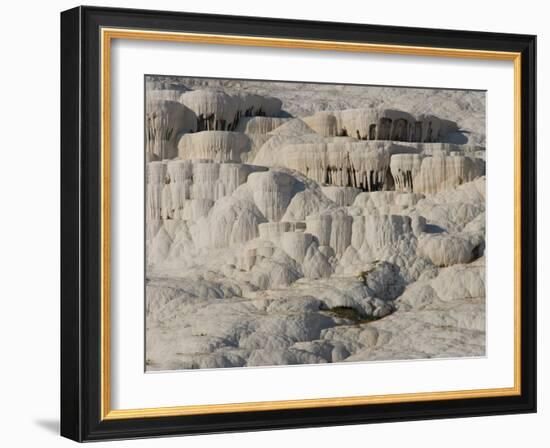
[(307, 225)]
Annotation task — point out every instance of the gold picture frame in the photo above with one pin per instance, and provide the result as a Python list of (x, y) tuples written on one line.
[(108, 30)]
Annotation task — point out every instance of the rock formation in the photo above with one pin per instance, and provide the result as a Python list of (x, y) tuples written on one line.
[(217, 110), (217, 146), (380, 124), (280, 230), (164, 120)]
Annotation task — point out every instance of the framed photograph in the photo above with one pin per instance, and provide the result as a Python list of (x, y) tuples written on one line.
[(272, 223)]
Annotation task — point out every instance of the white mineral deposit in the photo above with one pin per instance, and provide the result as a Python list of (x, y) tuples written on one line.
[(296, 223)]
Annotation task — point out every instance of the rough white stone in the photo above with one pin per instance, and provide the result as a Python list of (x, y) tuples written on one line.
[(218, 146), (164, 121), (312, 228)]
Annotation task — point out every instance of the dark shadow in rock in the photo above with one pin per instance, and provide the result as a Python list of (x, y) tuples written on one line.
[(397, 148), (433, 228), (449, 126), (298, 187), (478, 251), (285, 114), (457, 138)]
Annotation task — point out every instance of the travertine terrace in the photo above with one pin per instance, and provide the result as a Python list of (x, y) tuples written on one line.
[(293, 223)]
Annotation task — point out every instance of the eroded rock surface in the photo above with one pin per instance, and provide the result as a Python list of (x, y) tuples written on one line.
[(284, 227)]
